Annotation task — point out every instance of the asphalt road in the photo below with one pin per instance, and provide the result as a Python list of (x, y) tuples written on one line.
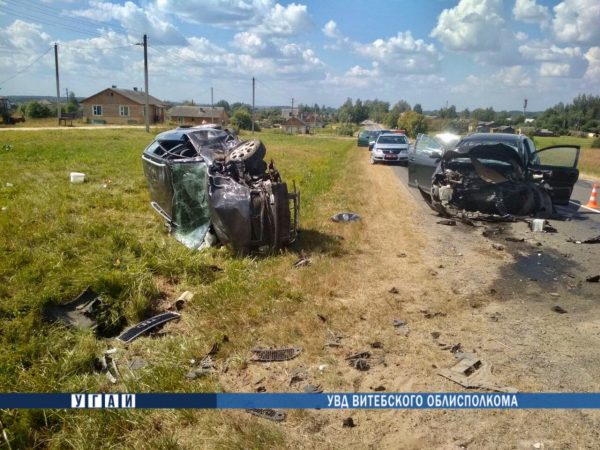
[(581, 222)]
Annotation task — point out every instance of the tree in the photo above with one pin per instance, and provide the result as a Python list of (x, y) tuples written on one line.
[(72, 105), (241, 119), (414, 123), (401, 106), (37, 110), (224, 104), (391, 119), (417, 108)]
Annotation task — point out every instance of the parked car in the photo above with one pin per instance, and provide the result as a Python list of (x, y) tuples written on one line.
[(363, 137), (390, 147), (206, 183), (374, 137), (493, 173)]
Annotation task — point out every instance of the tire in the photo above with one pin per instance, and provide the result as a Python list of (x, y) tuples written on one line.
[(251, 153)]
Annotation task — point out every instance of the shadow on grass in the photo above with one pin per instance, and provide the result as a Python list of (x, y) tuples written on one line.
[(314, 241)]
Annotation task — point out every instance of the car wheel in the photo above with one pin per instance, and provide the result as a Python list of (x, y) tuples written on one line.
[(251, 153)]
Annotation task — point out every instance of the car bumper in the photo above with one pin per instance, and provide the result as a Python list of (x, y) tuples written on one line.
[(401, 157)]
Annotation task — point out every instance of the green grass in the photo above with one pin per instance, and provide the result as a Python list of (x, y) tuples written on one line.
[(543, 141), (56, 238)]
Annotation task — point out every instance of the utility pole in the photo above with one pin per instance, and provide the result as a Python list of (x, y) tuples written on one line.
[(57, 81), (524, 109), (253, 85), (147, 112), (212, 106), (292, 106)]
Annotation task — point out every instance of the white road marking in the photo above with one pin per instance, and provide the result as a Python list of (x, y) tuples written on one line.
[(585, 207)]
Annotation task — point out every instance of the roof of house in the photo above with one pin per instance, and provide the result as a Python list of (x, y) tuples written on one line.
[(135, 96), (294, 122), (196, 111)]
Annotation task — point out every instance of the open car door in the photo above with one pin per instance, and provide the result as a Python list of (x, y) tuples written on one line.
[(558, 166), (422, 161)]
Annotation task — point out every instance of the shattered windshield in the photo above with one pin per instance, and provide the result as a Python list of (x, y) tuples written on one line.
[(392, 140)]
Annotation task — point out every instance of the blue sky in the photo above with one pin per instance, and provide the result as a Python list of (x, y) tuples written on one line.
[(470, 53)]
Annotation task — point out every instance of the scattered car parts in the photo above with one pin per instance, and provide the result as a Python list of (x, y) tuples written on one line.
[(275, 354), (143, 327), (79, 313), (346, 217), (472, 373), (268, 413), (208, 185)]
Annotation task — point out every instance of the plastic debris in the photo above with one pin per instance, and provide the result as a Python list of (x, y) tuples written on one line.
[(537, 225), (472, 373), (348, 423), (559, 310), (313, 389), (77, 177), (346, 217), (268, 413), (449, 222), (275, 354), (136, 331), (593, 279), (359, 360), (79, 313)]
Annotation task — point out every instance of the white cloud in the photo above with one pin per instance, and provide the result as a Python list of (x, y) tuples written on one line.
[(135, 19), (514, 76), (257, 16), (331, 30), (529, 11), (577, 21), (22, 35), (472, 25), (593, 71), (520, 36), (549, 69)]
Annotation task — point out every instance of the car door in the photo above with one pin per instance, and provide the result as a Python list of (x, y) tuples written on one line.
[(558, 164), (423, 160)]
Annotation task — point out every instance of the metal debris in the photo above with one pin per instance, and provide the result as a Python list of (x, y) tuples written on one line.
[(472, 373), (401, 326), (380, 388), (108, 365), (514, 239), (449, 222), (394, 290), (559, 310), (376, 344), (299, 374), (593, 279), (136, 331), (498, 247), (136, 364), (303, 261), (346, 217), (268, 413), (275, 354)]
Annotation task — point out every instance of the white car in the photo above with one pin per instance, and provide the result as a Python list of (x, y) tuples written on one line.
[(390, 147)]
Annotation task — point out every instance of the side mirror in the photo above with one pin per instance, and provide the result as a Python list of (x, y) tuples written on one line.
[(435, 154)]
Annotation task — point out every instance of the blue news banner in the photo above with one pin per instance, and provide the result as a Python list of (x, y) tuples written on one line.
[(302, 401)]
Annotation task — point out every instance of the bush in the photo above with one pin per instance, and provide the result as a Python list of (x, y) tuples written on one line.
[(345, 129), (36, 110)]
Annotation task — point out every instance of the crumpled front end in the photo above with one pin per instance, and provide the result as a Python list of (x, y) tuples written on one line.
[(489, 180), (209, 186)]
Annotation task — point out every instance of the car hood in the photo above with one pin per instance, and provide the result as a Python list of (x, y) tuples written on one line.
[(390, 146)]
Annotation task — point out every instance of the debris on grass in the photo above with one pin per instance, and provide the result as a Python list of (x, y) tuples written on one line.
[(348, 423), (79, 313), (472, 373), (312, 389), (559, 310), (401, 326), (346, 217), (376, 344), (268, 413), (77, 177), (394, 290), (594, 240), (143, 327), (181, 301), (359, 361), (448, 222), (275, 354), (498, 247), (593, 279), (514, 239), (303, 261)]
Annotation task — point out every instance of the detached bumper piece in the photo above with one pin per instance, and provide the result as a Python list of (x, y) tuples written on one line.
[(208, 187)]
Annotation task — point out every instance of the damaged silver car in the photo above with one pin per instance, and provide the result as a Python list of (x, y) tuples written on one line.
[(210, 186), (495, 175)]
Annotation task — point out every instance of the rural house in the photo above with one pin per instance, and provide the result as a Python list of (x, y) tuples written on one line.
[(294, 125), (198, 115), (121, 106)]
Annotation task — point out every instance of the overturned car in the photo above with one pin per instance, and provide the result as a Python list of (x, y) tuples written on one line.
[(493, 175), (208, 186)]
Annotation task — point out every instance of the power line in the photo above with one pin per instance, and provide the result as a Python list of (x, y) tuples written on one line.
[(24, 69)]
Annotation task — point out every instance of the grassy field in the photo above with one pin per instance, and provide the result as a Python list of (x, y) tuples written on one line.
[(57, 238)]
